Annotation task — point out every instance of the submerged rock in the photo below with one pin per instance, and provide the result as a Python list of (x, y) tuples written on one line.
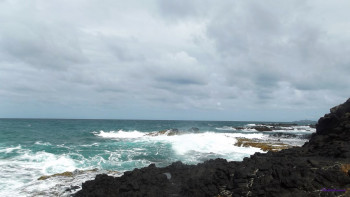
[(265, 146), (194, 130), (66, 174), (318, 168)]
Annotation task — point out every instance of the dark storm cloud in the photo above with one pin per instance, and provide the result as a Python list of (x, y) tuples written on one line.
[(157, 57)]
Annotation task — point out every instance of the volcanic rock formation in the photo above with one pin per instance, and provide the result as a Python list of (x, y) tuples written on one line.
[(321, 167)]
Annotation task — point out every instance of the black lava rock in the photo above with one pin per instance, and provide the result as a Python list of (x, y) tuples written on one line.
[(316, 168)]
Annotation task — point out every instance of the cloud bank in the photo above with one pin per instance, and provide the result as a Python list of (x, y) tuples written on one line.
[(155, 59)]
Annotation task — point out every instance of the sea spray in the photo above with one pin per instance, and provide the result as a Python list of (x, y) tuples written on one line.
[(49, 147)]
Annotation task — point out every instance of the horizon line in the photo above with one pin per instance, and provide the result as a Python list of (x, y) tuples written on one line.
[(155, 119)]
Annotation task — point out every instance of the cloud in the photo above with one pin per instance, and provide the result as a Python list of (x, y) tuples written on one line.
[(272, 43), (38, 43), (177, 9), (155, 59)]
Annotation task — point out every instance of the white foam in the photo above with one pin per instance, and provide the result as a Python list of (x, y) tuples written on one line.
[(42, 143), (19, 174), (21, 170), (289, 129), (10, 149), (305, 129), (57, 186), (297, 129), (120, 134), (90, 145), (248, 130), (210, 142), (226, 128)]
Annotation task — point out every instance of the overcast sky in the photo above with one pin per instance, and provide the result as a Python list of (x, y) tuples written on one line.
[(161, 59)]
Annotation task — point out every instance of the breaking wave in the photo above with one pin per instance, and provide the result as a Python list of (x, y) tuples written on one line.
[(119, 134)]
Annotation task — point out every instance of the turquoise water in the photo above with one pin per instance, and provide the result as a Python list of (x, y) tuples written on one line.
[(30, 148), (76, 136)]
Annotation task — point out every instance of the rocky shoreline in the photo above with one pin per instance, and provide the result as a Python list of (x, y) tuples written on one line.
[(321, 167)]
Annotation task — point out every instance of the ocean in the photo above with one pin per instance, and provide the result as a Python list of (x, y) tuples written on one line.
[(34, 148)]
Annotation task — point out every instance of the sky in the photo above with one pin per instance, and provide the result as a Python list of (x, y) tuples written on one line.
[(185, 60)]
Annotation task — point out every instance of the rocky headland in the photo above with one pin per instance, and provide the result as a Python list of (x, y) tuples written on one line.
[(321, 167)]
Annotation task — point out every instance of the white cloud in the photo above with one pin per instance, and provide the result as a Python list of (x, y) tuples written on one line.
[(167, 59)]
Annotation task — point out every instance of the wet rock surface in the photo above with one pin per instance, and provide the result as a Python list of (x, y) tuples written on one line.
[(289, 135), (318, 168), (265, 146)]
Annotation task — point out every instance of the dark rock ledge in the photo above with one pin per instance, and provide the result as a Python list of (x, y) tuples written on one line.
[(316, 168)]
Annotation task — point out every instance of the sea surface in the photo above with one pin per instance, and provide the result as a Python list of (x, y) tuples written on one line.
[(31, 148)]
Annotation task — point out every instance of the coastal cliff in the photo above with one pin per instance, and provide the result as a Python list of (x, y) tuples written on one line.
[(321, 167)]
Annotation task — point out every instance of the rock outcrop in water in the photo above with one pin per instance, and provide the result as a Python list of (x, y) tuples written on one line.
[(169, 132), (263, 145), (319, 168)]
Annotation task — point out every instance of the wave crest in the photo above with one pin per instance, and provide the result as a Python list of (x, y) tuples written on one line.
[(120, 134)]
